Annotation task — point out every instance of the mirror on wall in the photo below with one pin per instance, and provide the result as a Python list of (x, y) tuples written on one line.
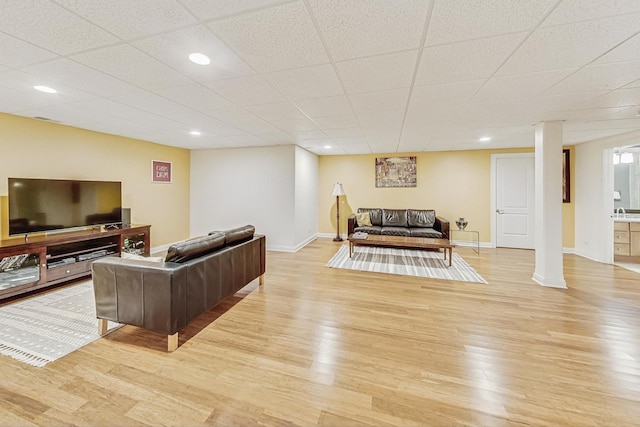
[(626, 178)]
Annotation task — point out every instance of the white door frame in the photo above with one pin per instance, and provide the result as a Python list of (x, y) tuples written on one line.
[(492, 214)]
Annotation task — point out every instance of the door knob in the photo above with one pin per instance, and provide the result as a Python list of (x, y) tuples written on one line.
[(500, 211)]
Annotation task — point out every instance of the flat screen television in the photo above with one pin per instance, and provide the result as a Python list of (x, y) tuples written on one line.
[(37, 205)]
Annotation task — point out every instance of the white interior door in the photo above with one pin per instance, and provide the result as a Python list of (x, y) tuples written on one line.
[(515, 201)]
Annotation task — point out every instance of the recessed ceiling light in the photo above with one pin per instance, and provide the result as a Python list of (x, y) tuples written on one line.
[(485, 139), (200, 59), (195, 133), (327, 147), (46, 89)]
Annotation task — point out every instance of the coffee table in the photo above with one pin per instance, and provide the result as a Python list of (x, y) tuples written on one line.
[(403, 242)]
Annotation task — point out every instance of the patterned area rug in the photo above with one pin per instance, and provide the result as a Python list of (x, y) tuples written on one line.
[(43, 328), (409, 262)]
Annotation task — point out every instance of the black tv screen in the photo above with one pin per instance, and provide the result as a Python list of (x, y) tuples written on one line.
[(37, 205)]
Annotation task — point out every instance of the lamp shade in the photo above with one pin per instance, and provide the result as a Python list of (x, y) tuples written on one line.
[(337, 190)]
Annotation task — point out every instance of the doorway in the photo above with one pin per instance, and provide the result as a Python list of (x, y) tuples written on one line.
[(513, 200)]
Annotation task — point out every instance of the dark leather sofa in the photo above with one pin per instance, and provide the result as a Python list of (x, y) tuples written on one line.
[(195, 276), (402, 222)]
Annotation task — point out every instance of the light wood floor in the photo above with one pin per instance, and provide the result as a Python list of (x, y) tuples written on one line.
[(321, 346)]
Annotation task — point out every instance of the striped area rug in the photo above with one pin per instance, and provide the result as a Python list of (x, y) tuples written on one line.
[(43, 328), (409, 262)]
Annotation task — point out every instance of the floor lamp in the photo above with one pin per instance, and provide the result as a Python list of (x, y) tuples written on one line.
[(337, 191)]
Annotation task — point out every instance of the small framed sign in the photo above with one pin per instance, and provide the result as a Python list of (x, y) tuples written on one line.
[(160, 171)]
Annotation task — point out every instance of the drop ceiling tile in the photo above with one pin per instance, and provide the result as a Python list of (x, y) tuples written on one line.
[(303, 135), (633, 84), (280, 37), (380, 101), (195, 96), (126, 63), (602, 77), (617, 98), (81, 77), (17, 53), (207, 9), (259, 127), (247, 139), (336, 122), (627, 51), (127, 114), (384, 72), (384, 147), (155, 104), (174, 48), (25, 82), (42, 23), (69, 114), (233, 116), (457, 20), (317, 143), (604, 125), (279, 138), (411, 147), (329, 106), (357, 148), (469, 60), (304, 83), (574, 45), (372, 27), (13, 101), (577, 137), (344, 133), (250, 90), (132, 19), (277, 111), (445, 96), (569, 11), (521, 86), (294, 125)]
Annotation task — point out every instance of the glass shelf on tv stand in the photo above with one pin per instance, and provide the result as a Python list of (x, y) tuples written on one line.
[(18, 270), (474, 232)]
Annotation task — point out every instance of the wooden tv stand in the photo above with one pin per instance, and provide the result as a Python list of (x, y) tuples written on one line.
[(42, 260)]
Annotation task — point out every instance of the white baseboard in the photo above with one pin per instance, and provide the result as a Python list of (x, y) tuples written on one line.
[(296, 248), (331, 235)]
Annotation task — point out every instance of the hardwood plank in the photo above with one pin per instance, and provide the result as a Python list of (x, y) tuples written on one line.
[(322, 346)]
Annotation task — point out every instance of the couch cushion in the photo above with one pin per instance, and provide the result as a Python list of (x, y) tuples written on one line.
[(375, 214), (425, 232), (371, 230), (239, 234), (363, 219), (194, 248), (396, 231), (421, 218), (394, 217)]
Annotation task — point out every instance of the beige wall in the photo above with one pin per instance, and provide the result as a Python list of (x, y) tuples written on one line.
[(454, 183), (32, 148)]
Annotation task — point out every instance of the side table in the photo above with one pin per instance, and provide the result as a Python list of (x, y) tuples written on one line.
[(476, 241)]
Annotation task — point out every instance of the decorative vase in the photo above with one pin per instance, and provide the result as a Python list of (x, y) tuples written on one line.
[(461, 223)]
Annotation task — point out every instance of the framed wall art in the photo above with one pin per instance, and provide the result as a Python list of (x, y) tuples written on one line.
[(396, 172), (566, 176), (160, 171)]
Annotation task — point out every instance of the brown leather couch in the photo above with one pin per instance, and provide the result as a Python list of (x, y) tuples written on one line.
[(195, 276), (402, 222)]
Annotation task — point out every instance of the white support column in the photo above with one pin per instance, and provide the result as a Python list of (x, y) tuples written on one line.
[(548, 222)]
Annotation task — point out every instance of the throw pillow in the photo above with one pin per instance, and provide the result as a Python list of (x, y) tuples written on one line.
[(363, 219), (140, 257)]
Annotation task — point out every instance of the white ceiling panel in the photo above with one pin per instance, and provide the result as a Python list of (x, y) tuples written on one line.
[(42, 23), (584, 10), (303, 83), (458, 20), (280, 37), (380, 101), (207, 9), (574, 45), (521, 86), (17, 53), (81, 77), (251, 90), (321, 107), (469, 60), (372, 27), (131, 19), (277, 111), (195, 96), (376, 73), (598, 78), (132, 66), (173, 49), (337, 122), (404, 74), (356, 148)]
